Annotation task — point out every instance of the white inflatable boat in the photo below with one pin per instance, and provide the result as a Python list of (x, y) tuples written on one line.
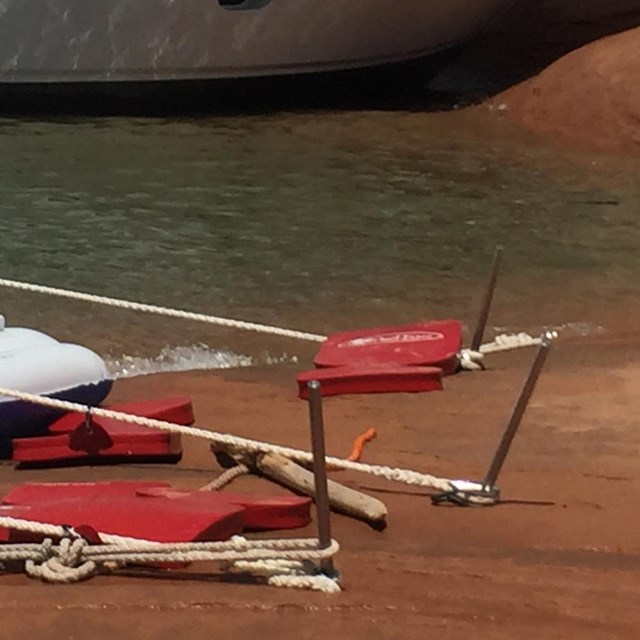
[(34, 362)]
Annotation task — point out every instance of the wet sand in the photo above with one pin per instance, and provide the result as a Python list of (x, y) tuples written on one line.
[(559, 557)]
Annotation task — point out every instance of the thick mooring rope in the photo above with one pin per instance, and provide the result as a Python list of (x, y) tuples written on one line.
[(285, 562), (474, 360), (165, 311), (469, 360), (226, 477), (235, 442)]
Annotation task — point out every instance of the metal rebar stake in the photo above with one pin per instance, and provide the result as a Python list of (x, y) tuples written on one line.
[(481, 325), (518, 411), (323, 512), (466, 493)]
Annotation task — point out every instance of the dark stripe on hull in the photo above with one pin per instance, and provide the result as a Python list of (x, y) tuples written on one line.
[(390, 86)]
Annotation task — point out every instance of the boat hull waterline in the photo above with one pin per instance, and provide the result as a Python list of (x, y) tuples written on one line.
[(59, 41)]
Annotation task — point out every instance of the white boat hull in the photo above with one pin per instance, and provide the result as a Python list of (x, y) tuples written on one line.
[(54, 41)]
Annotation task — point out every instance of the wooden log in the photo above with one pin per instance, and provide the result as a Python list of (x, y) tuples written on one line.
[(292, 475), (341, 498)]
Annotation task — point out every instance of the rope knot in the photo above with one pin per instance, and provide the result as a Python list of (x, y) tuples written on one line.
[(471, 360), (70, 551), (61, 564), (46, 550)]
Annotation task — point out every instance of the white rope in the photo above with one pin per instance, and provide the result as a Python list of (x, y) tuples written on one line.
[(234, 442), (166, 311), (58, 531), (285, 562), (225, 478), (67, 566), (238, 548), (235, 549), (509, 341), (471, 360), (292, 574)]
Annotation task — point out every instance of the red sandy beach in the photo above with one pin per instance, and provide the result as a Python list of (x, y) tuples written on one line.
[(560, 556)]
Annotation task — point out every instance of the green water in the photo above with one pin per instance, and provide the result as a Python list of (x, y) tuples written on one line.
[(316, 221)]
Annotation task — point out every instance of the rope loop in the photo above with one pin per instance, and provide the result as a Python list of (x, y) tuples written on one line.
[(293, 574), (225, 478), (284, 562)]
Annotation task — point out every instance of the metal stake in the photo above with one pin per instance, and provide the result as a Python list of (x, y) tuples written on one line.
[(518, 411), (486, 302), (467, 493), (323, 513)]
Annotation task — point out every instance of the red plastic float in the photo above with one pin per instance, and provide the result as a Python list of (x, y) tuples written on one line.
[(72, 440), (157, 520), (371, 379), (434, 344), (259, 512), (34, 492), (178, 410)]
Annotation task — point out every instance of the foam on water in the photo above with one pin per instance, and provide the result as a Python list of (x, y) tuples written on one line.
[(187, 358), (203, 357)]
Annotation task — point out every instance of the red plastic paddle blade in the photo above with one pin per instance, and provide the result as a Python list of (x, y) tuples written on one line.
[(177, 410), (34, 492), (434, 344), (107, 439), (158, 520), (371, 379), (261, 512), (148, 445)]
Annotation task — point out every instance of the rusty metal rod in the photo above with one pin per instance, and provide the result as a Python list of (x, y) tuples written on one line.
[(323, 513), (518, 411), (481, 325)]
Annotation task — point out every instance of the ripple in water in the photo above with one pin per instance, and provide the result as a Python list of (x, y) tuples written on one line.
[(187, 358)]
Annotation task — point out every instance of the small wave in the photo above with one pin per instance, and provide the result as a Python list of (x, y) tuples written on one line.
[(186, 358)]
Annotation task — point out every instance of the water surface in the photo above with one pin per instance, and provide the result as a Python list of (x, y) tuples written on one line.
[(316, 221)]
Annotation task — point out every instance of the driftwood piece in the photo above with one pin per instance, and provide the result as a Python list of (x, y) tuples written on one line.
[(341, 498), (286, 472)]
